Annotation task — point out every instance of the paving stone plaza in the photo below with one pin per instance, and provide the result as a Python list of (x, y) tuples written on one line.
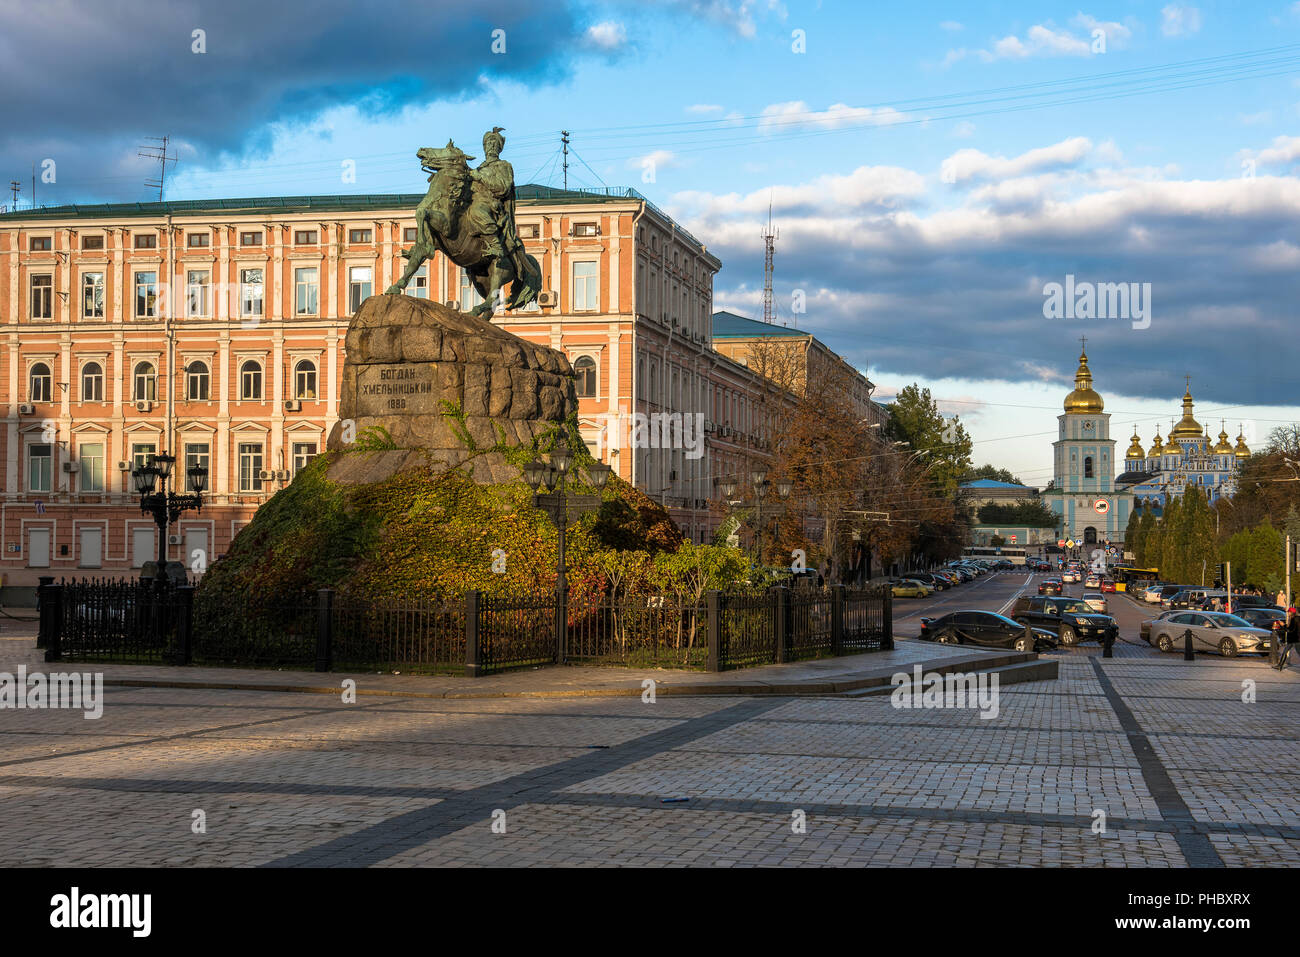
[(1139, 760)]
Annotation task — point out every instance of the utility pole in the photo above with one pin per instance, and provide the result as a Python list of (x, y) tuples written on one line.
[(769, 250), (15, 187), (1288, 571), (564, 144), (160, 154)]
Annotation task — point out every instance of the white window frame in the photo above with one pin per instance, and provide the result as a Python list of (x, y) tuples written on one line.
[(356, 286), (98, 379), (48, 457), (249, 479), (87, 279), (311, 288), (203, 287), (576, 286), (261, 381), (87, 470), (151, 310)]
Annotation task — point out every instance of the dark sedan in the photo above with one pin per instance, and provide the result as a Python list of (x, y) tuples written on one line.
[(987, 629), (1050, 586)]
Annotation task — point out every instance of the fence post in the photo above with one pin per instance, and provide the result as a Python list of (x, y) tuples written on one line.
[(185, 624), (887, 618), (473, 653), (52, 622), (780, 627), (1188, 653), (324, 628), (837, 618), (43, 582), (715, 630)]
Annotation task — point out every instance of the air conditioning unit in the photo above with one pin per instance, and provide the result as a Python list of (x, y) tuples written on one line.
[(173, 539), (124, 466), (293, 405), (282, 475), (26, 408), (144, 405), (266, 475), (72, 466), (548, 299)]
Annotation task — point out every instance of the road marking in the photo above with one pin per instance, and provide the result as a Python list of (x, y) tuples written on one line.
[(1012, 600), (942, 601)]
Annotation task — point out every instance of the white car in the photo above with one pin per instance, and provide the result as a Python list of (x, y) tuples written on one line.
[(1151, 594), (1068, 576), (1096, 601)]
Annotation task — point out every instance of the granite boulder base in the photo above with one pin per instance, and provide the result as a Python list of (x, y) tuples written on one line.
[(407, 356)]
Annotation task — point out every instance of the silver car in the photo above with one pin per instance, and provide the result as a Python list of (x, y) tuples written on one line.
[(1095, 600), (1211, 631)]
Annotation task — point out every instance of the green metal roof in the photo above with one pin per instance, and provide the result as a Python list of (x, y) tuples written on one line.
[(729, 325)]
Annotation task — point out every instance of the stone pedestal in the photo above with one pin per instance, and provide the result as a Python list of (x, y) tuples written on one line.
[(406, 356)]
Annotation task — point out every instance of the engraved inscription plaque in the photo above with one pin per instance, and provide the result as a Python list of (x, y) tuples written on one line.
[(396, 389)]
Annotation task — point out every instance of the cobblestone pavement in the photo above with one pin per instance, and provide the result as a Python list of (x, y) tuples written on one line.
[(1141, 761)]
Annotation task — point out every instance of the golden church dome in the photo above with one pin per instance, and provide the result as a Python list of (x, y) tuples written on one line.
[(1157, 447), (1135, 447), (1222, 447), (1241, 451), (1188, 427), (1083, 398)]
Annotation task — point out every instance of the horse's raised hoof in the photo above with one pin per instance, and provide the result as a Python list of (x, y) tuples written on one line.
[(393, 290)]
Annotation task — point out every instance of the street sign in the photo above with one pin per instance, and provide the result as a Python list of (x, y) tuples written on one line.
[(1013, 539), (1069, 543), (1060, 543), (1101, 506), (40, 507)]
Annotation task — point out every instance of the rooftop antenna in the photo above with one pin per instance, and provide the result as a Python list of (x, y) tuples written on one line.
[(769, 240), (15, 187), (160, 154), (564, 144)]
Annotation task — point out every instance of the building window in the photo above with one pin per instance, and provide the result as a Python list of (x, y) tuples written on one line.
[(42, 293), (304, 380), (146, 241), (142, 454), (40, 244), (528, 231), (250, 292), (92, 382), (144, 386), (307, 285), (469, 295), (585, 371), (92, 242), (197, 287), (408, 234), (198, 240), (360, 286), (92, 467), (250, 467), (418, 287), (586, 229), (250, 239), (586, 291), (1087, 466), (303, 452), (92, 295), (304, 237), (196, 453), (360, 236), (40, 467), (640, 378), (39, 382), (146, 294), (197, 381), (250, 380)]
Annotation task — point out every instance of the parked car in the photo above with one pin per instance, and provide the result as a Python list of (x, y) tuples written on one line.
[(951, 577), (1152, 593), (939, 584), (1107, 586), (1211, 631), (902, 588), (1269, 618), (1144, 630), (985, 628), (1167, 592), (1251, 601), (1050, 586), (1096, 601), (1070, 619), (1193, 597)]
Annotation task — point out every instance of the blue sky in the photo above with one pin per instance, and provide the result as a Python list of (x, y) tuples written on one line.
[(930, 167)]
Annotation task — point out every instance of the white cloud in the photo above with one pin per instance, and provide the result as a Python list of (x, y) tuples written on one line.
[(1285, 150), (952, 26), (607, 35), (704, 108), (657, 159), (970, 164), (796, 113), (1048, 40), (963, 129), (1179, 21)]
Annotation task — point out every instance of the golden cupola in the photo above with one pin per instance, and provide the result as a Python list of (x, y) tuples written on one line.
[(1188, 427), (1157, 447), (1135, 447), (1222, 447), (1241, 451), (1083, 398)]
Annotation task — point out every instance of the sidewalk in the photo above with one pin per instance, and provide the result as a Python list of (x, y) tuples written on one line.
[(825, 676)]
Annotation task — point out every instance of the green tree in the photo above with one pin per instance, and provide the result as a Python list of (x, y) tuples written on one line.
[(691, 571), (994, 473), (1264, 564), (1202, 554), (1172, 542), (1132, 531), (914, 418), (1153, 547), (1031, 514)]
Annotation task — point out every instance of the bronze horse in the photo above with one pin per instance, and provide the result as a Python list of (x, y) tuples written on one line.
[(441, 223)]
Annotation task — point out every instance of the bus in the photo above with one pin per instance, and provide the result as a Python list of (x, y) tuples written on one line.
[(1132, 579), (1012, 553)]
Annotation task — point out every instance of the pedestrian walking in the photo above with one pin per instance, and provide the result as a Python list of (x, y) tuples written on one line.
[(1281, 599)]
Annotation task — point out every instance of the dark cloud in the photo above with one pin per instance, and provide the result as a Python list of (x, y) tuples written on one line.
[(86, 81)]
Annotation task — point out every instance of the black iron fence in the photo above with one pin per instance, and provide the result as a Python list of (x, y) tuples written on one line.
[(139, 622)]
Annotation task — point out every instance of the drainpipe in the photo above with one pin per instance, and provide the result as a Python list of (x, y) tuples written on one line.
[(635, 219)]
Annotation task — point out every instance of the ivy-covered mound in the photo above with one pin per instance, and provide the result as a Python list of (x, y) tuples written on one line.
[(423, 534)]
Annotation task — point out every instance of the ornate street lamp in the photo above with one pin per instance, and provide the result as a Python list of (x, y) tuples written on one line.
[(758, 478), (166, 506), (563, 507)]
